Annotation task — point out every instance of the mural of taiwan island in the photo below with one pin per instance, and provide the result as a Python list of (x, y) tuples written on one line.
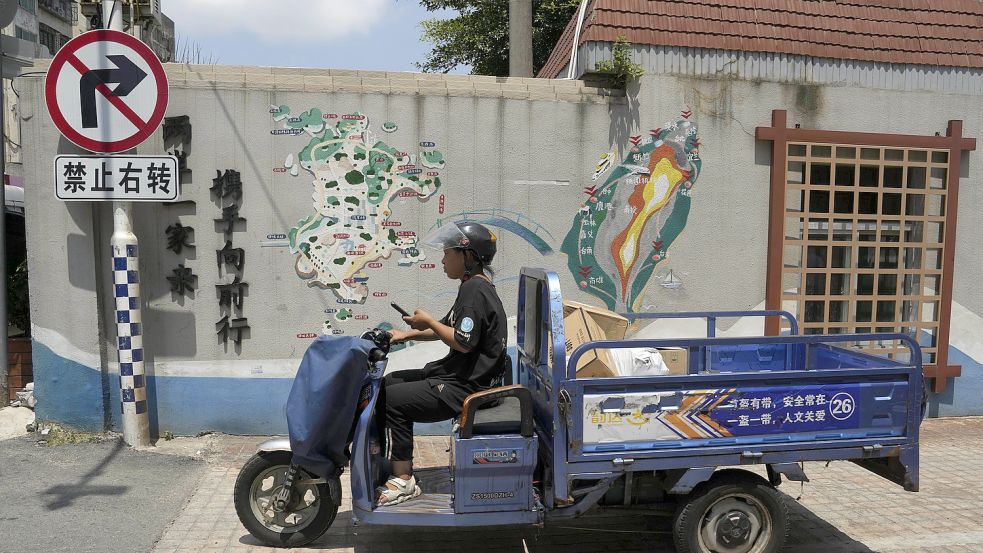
[(626, 225), (356, 177)]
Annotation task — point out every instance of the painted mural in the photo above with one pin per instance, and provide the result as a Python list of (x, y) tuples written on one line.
[(356, 178), (535, 234), (626, 225)]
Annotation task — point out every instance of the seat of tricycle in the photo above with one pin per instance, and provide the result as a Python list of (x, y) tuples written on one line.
[(504, 418), (510, 413)]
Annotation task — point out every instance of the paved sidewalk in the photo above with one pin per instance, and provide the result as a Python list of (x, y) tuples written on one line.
[(844, 509)]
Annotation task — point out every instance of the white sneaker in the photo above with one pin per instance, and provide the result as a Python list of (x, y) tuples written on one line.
[(405, 490)]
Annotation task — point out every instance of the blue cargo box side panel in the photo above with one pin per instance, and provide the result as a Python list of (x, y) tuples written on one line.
[(754, 357), (654, 419)]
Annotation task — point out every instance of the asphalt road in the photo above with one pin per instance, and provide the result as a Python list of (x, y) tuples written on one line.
[(101, 497)]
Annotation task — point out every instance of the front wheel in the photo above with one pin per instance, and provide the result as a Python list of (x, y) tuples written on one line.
[(734, 512), (307, 515)]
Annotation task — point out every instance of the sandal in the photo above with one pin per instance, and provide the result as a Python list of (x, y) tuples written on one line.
[(405, 490)]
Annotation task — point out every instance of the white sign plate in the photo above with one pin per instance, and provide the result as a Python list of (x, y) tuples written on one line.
[(125, 178)]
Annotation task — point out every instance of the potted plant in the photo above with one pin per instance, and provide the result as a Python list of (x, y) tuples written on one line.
[(20, 369)]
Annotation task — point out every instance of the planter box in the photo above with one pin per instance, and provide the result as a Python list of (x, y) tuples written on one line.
[(19, 366)]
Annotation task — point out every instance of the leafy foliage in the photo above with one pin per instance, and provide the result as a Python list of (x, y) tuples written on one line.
[(479, 36), (621, 68)]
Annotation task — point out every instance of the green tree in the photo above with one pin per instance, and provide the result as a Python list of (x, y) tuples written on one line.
[(479, 36)]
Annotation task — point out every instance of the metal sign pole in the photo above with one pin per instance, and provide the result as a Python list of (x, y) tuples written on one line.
[(3, 240), (126, 291)]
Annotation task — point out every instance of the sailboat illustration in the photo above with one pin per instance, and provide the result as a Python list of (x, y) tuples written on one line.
[(671, 281)]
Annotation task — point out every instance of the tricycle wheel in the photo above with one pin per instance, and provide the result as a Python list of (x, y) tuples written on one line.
[(734, 512), (306, 517)]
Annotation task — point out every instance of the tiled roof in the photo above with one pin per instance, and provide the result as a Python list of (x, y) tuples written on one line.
[(923, 32)]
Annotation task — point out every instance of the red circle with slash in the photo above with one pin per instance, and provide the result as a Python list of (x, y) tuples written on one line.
[(106, 91)]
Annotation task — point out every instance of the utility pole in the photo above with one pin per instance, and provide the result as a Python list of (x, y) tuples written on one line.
[(4, 368), (126, 291), (520, 38)]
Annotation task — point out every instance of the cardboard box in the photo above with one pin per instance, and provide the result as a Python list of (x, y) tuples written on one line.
[(676, 359), (612, 325), (585, 323)]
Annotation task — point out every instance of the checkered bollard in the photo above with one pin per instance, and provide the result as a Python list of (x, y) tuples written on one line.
[(129, 341)]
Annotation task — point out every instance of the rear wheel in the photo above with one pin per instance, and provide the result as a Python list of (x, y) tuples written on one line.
[(734, 512), (307, 515)]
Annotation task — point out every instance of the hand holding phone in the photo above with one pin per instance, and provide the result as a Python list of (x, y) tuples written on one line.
[(400, 309)]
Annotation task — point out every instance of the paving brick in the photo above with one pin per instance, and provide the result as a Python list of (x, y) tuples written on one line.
[(843, 509)]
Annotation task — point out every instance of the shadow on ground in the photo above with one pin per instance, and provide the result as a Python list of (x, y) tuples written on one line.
[(64, 495)]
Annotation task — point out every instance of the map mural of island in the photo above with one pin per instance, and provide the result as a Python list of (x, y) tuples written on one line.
[(626, 225), (356, 178)]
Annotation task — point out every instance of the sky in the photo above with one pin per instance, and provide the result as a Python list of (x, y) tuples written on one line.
[(381, 35)]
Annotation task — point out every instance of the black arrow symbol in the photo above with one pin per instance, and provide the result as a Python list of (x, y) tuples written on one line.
[(128, 76)]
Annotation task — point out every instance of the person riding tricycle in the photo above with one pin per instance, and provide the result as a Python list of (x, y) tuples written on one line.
[(555, 446)]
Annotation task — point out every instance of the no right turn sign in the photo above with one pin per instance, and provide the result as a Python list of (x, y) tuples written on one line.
[(106, 91)]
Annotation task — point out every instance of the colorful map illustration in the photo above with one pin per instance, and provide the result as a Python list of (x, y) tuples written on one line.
[(626, 225), (356, 177)]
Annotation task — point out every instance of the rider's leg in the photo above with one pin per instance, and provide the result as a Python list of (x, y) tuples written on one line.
[(393, 378), (406, 403)]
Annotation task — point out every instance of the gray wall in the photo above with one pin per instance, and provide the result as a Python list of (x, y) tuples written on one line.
[(492, 132)]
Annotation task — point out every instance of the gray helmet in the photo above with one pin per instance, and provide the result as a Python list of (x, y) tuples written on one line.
[(465, 235)]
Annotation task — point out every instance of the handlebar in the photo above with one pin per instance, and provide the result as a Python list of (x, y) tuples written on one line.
[(382, 340)]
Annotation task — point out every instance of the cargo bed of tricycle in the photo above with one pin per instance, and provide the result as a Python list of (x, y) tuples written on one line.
[(771, 400)]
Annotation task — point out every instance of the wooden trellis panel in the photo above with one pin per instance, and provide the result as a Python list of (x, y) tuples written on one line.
[(862, 233)]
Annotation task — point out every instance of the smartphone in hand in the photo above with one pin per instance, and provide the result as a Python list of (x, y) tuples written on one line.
[(400, 309)]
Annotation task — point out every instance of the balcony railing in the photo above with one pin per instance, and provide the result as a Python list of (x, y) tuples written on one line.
[(63, 9)]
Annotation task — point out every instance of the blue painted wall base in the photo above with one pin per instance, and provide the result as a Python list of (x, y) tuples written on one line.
[(84, 397)]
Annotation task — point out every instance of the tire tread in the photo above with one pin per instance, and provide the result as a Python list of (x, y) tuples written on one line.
[(697, 502), (253, 467)]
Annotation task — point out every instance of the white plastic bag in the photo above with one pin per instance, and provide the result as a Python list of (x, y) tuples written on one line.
[(638, 362)]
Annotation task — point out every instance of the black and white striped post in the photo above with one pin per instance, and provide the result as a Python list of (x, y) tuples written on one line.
[(126, 290)]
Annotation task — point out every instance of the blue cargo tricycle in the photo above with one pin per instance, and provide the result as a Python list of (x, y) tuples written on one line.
[(556, 446)]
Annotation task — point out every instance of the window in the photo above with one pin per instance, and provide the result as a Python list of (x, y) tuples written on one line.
[(50, 38), (869, 246), (27, 5), (65, 9), (47, 37), (24, 34)]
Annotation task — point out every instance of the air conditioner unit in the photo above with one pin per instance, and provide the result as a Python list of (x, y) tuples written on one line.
[(142, 9)]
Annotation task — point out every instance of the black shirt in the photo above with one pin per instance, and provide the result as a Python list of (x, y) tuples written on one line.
[(479, 323)]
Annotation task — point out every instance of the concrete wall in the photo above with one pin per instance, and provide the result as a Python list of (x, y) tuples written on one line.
[(492, 133), (520, 146), (731, 199)]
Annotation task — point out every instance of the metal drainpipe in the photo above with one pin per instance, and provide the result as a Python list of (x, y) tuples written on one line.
[(572, 66)]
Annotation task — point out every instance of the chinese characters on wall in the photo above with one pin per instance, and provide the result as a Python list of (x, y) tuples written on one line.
[(177, 132), (227, 191), (183, 281)]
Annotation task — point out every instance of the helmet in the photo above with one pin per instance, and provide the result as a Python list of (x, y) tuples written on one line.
[(464, 235)]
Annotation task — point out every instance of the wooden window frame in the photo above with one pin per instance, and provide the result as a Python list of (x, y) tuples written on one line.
[(780, 135)]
